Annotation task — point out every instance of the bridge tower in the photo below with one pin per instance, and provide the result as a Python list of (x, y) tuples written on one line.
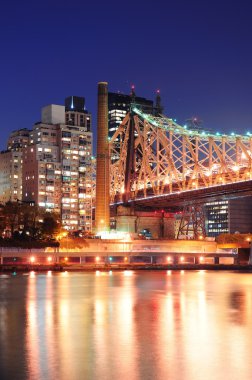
[(130, 159)]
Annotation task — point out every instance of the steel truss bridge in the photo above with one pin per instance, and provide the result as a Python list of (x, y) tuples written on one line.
[(153, 157), (156, 162)]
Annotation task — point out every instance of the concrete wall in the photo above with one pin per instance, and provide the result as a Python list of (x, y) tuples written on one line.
[(137, 246), (160, 227), (240, 215), (53, 114)]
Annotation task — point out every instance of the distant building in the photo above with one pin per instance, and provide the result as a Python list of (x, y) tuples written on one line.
[(229, 216), (119, 105), (10, 176), (11, 166), (76, 114), (217, 215)]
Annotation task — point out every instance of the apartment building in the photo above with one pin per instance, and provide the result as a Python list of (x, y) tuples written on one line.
[(57, 172), (11, 166)]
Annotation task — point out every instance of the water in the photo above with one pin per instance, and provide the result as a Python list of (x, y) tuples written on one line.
[(126, 326)]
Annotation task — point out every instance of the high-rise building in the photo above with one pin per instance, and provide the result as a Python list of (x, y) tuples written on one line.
[(42, 168), (57, 173), (10, 176), (76, 114), (11, 166)]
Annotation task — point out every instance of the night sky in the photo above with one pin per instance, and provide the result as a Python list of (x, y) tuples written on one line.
[(198, 53)]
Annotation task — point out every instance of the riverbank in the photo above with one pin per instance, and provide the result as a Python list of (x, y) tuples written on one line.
[(107, 267)]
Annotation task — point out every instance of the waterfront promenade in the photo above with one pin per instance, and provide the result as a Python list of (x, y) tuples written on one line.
[(97, 253)]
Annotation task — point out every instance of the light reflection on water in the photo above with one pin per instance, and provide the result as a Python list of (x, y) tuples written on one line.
[(126, 325)]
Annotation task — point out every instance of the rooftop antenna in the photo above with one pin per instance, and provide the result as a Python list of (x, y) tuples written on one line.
[(158, 107), (133, 94)]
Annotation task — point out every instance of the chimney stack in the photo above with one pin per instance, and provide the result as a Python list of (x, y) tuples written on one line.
[(102, 210)]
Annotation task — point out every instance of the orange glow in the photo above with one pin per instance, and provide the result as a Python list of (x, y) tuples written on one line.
[(32, 259), (66, 258), (201, 258), (182, 258), (125, 258), (97, 258), (168, 259), (49, 259)]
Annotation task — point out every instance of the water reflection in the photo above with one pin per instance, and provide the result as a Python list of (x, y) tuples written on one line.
[(32, 331), (121, 325)]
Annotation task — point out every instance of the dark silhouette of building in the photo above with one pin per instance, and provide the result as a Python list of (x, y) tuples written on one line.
[(119, 105)]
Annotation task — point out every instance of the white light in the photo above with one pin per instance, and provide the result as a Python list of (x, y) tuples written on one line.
[(128, 273)]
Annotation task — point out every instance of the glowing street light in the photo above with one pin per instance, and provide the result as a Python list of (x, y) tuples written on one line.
[(97, 258), (49, 259), (32, 259)]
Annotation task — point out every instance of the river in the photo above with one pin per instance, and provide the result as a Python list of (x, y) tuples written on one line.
[(179, 325)]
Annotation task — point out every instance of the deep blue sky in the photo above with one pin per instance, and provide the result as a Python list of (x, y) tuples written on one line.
[(199, 53)]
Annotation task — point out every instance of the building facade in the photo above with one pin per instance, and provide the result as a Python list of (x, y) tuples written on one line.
[(11, 166), (57, 167), (229, 216)]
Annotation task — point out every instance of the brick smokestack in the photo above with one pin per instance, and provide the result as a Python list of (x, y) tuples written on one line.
[(102, 211)]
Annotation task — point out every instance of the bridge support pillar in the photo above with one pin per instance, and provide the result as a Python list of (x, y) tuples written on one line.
[(196, 260), (176, 260), (236, 261), (216, 260)]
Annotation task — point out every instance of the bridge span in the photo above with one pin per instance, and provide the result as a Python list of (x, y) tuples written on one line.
[(157, 162), (178, 199)]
